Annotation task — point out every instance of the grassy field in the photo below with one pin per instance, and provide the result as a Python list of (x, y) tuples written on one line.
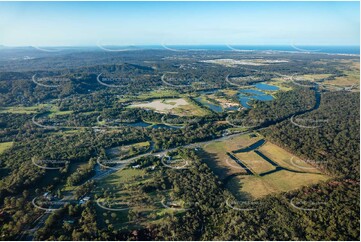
[(280, 83), (56, 112), (253, 187), (255, 162), (123, 187), (34, 109), (284, 158), (313, 77), (190, 110), (122, 176), (230, 92), (119, 195), (216, 158), (23, 110), (351, 70), (160, 93), (351, 78), (5, 145), (274, 169)]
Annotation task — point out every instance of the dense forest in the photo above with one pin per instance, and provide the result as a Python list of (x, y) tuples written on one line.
[(334, 143), (210, 218)]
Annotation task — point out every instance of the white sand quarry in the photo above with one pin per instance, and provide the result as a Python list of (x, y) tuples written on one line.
[(162, 105)]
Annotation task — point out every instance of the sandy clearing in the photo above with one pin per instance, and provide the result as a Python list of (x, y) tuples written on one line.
[(162, 105)]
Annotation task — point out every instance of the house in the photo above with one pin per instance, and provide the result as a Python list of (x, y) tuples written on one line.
[(68, 221), (136, 167), (48, 196), (84, 200)]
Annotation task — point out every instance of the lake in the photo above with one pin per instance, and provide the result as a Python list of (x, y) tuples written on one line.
[(247, 95), (213, 107), (266, 87)]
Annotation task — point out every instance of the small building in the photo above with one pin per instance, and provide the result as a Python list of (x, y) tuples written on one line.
[(68, 221), (84, 200)]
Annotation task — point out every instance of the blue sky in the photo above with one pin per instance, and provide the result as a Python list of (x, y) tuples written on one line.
[(169, 23)]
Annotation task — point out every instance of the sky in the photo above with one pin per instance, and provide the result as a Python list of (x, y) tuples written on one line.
[(179, 23)]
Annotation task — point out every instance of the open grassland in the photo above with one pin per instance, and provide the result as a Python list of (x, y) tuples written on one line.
[(255, 162), (124, 195), (54, 110), (280, 83), (311, 77), (122, 176), (253, 187), (230, 92), (22, 110), (285, 159), (352, 76), (350, 70), (273, 169), (215, 154), (155, 94), (5, 145), (191, 109)]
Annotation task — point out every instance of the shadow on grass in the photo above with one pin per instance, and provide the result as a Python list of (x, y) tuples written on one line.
[(234, 184), (211, 160)]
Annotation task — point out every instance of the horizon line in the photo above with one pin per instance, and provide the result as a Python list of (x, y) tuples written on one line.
[(160, 45)]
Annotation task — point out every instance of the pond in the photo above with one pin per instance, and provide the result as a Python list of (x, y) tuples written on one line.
[(233, 108), (244, 101), (214, 107), (266, 87), (137, 124), (247, 95)]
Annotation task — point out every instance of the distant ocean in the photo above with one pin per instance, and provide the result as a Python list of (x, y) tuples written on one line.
[(312, 49), (345, 50)]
